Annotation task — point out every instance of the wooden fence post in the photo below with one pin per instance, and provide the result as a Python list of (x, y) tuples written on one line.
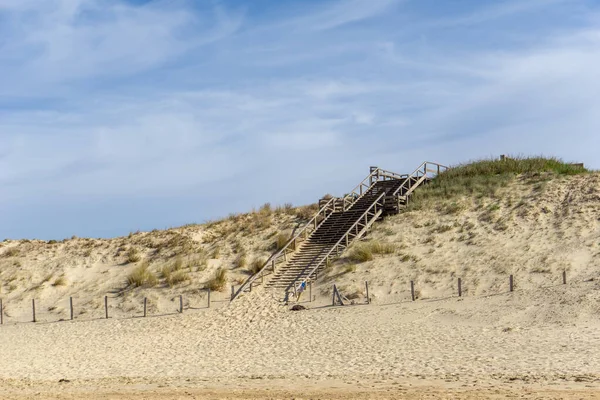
[(180, 304), (208, 298), (232, 292), (309, 290), (412, 290), (33, 308), (71, 306), (459, 287), (564, 277), (367, 287), (106, 306), (333, 296), (511, 283), (145, 306), (1, 313)]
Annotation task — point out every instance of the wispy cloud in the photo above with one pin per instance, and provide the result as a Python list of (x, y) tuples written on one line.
[(142, 112)]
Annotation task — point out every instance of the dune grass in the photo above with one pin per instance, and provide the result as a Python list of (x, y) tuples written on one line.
[(142, 276), (218, 281), (366, 251), (257, 264), (484, 178)]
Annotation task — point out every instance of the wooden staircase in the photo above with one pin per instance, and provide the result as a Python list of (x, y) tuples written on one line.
[(338, 222)]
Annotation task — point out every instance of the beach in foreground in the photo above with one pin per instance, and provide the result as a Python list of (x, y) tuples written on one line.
[(537, 343)]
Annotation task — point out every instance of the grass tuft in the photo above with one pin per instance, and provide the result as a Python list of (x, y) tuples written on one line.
[(365, 251), (142, 276), (133, 255), (218, 281), (257, 265), (60, 281)]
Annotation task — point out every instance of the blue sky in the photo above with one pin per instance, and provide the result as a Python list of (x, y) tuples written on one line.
[(119, 115)]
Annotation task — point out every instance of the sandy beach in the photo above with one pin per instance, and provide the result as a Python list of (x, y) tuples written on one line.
[(519, 342)]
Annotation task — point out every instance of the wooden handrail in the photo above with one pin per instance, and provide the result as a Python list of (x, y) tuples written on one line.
[(273, 258), (335, 246), (417, 173)]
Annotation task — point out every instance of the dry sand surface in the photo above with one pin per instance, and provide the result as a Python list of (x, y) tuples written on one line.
[(524, 341)]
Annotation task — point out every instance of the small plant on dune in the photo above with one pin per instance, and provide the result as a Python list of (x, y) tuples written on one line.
[(178, 263), (142, 276), (266, 209), (382, 248), (177, 277), (282, 239), (133, 255), (361, 253), (60, 281), (366, 251), (11, 252), (216, 253), (257, 265), (350, 268), (307, 212), (218, 281), (241, 261)]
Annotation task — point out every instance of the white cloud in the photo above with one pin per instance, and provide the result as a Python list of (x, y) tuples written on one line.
[(139, 105)]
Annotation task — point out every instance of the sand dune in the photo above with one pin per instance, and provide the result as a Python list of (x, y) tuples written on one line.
[(487, 344)]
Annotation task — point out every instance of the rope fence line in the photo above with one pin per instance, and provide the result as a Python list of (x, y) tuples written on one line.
[(5, 319), (338, 297)]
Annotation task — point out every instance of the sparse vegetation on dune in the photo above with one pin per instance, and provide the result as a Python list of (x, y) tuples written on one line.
[(142, 276), (218, 281), (483, 178), (365, 251)]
